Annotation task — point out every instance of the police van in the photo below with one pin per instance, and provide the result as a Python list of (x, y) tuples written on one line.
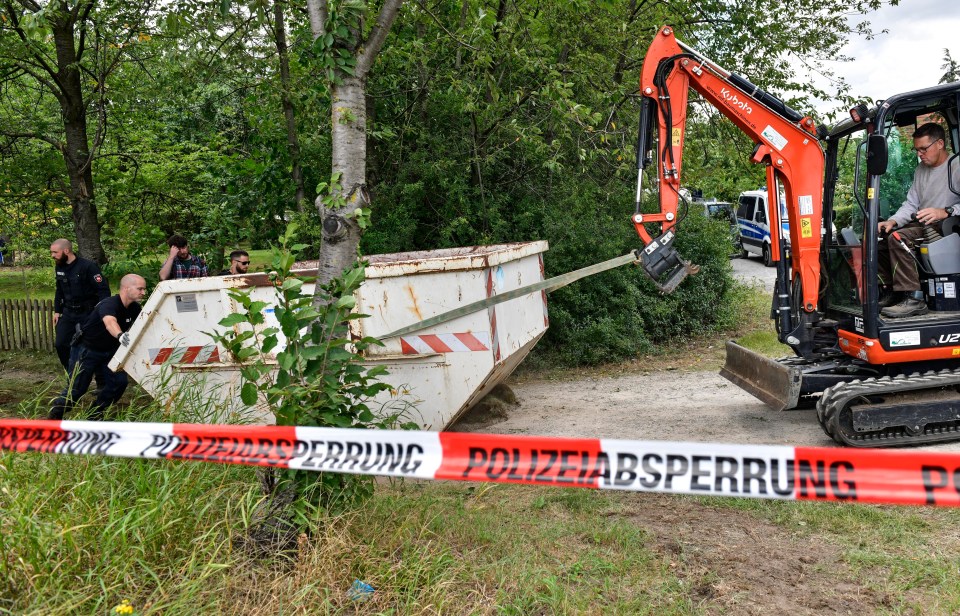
[(754, 229)]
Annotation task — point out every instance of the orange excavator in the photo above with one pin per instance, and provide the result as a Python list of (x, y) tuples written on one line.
[(876, 382)]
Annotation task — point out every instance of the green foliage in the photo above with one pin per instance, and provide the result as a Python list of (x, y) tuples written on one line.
[(146, 267), (317, 379), (333, 53), (484, 125)]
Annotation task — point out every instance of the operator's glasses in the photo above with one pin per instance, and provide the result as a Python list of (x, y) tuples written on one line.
[(923, 150)]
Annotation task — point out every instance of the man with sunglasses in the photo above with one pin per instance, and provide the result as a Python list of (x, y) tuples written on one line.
[(239, 263), (929, 201)]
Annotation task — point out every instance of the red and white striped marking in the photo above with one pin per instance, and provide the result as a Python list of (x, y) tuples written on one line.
[(707, 469), (206, 354), (462, 342)]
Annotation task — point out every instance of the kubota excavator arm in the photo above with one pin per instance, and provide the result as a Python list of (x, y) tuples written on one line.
[(786, 142)]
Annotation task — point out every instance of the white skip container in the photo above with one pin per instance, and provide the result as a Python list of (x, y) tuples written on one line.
[(437, 373)]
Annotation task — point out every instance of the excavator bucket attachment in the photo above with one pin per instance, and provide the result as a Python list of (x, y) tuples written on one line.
[(663, 265), (775, 384)]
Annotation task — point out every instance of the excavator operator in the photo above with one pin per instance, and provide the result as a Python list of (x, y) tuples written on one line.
[(929, 201)]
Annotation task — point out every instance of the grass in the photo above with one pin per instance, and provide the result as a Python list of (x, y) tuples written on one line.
[(26, 283)]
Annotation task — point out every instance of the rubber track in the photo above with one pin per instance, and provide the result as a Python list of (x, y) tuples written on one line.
[(838, 425)]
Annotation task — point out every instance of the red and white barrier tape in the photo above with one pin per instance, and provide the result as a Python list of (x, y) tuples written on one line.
[(787, 473)]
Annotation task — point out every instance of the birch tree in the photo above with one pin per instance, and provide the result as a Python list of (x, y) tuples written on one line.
[(348, 49)]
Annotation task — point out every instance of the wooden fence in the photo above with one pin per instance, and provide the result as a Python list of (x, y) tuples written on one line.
[(26, 324)]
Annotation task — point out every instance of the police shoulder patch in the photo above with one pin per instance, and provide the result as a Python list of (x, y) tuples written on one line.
[(98, 278)]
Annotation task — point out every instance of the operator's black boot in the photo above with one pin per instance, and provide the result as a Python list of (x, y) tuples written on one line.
[(912, 306), (889, 297)]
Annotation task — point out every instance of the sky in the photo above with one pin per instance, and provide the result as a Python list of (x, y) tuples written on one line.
[(909, 56)]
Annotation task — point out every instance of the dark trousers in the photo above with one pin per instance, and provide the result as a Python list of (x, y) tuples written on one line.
[(896, 266), (66, 327), (85, 363)]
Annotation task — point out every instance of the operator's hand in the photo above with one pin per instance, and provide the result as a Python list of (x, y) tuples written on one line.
[(174, 251), (56, 317), (887, 226), (930, 215), (124, 339)]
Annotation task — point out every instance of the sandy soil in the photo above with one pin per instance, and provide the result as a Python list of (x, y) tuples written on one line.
[(660, 406)]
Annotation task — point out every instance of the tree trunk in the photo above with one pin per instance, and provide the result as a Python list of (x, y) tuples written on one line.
[(293, 140), (76, 151), (341, 233), (340, 230)]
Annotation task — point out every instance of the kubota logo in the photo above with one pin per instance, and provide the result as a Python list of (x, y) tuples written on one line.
[(736, 102)]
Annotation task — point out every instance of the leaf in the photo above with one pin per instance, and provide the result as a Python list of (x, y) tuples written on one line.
[(269, 343), (313, 352), (248, 394), (232, 319), (257, 306), (291, 284), (347, 302), (286, 361)]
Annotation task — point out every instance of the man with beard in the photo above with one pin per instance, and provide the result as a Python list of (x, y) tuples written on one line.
[(102, 333), (239, 263), (80, 285)]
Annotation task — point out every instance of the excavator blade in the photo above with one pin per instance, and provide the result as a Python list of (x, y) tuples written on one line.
[(775, 384)]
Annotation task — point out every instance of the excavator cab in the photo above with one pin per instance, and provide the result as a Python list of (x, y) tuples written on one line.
[(876, 381), (869, 169)]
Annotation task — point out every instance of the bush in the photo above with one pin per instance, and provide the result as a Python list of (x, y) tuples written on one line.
[(620, 313), (603, 318)]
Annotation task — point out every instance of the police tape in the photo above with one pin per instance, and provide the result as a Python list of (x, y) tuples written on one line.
[(758, 471)]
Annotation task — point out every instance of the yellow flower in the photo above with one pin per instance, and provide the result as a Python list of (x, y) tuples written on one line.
[(123, 608)]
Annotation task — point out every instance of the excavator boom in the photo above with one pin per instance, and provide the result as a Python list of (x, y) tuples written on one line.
[(787, 143)]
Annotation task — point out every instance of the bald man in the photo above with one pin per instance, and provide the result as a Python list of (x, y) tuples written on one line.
[(103, 331), (80, 285)]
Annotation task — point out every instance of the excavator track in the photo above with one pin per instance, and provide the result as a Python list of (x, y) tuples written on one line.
[(899, 411)]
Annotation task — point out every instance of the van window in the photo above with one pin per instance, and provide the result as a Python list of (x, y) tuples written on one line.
[(745, 210), (761, 212)]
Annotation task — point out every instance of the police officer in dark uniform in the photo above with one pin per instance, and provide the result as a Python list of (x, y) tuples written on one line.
[(102, 333), (80, 285)]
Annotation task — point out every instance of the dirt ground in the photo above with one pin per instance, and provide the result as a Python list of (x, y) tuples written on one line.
[(732, 562)]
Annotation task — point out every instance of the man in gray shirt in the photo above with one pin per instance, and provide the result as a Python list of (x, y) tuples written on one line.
[(930, 200)]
